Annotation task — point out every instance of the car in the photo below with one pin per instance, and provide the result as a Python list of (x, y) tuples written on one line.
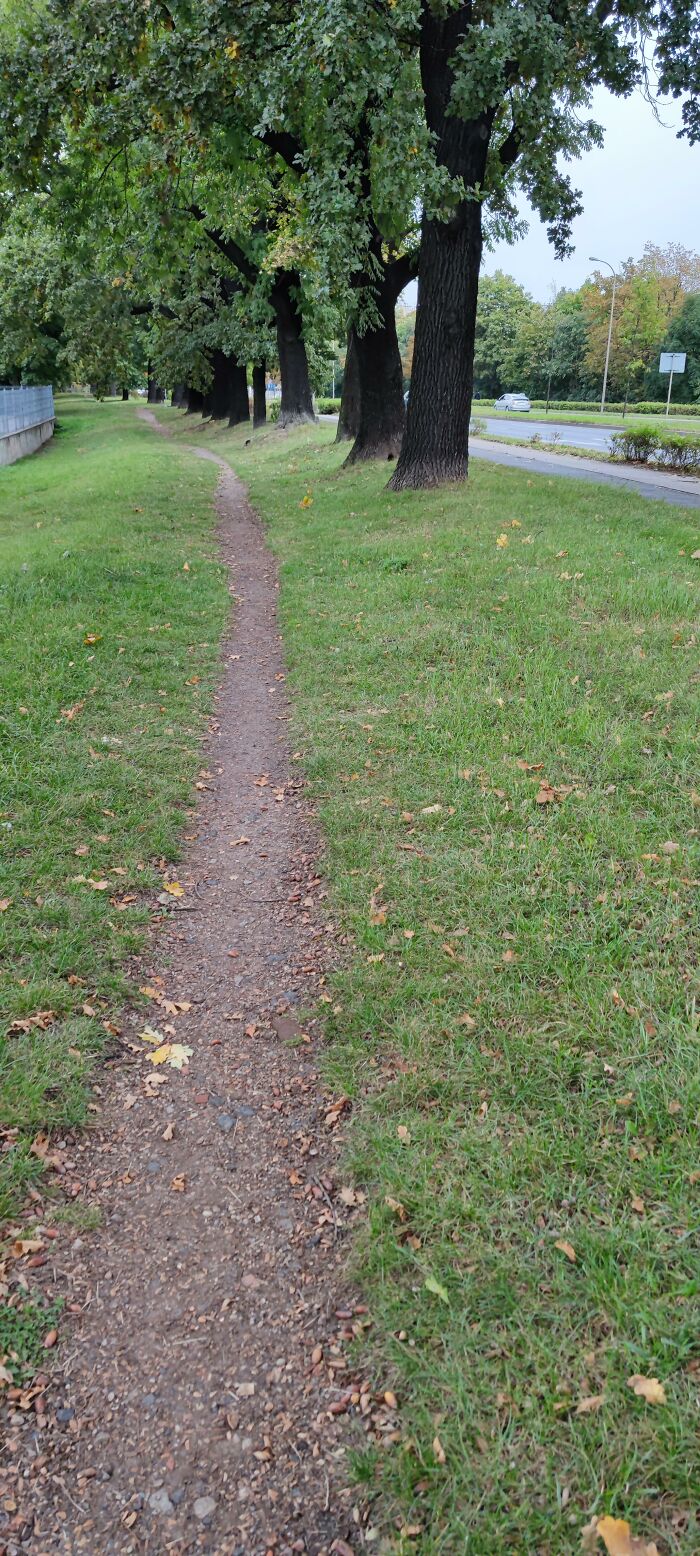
[(512, 402)]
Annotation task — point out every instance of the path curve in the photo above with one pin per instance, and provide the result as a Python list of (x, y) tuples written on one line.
[(193, 1405)]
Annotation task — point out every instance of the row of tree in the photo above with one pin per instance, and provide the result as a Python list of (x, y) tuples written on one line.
[(207, 184)]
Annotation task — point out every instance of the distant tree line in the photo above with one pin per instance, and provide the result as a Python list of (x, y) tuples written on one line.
[(559, 347)]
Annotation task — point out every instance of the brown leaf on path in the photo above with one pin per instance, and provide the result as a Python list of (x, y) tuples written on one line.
[(178, 1183), (262, 781), (647, 1388), (168, 1132), (341, 1548), (566, 1248)]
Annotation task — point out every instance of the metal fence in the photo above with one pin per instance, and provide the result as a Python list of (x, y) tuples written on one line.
[(22, 408)]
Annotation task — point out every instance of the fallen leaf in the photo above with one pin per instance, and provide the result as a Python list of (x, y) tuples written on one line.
[(637, 1204), (395, 1205), (566, 1248), (619, 1540), (502, 542), (439, 1451), (152, 1035), (546, 795), (99, 885), (239, 842), (177, 1183), (168, 1132), (670, 848), (433, 1285), (5, 903), (173, 888), (647, 1388), (92, 637), (377, 916), (404, 1134), (177, 1055), (590, 1403), (466, 1021)]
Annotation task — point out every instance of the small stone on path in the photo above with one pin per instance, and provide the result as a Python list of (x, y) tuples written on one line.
[(204, 1507)]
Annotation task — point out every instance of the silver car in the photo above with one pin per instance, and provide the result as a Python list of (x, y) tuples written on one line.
[(512, 402)]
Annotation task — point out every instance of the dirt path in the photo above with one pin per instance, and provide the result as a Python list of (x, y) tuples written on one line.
[(191, 1409)]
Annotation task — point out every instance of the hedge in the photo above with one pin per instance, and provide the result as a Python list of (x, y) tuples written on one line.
[(670, 450)]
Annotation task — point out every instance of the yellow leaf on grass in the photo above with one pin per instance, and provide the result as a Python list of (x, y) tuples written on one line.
[(174, 888), (567, 1249), (438, 1450), (647, 1388), (618, 1539), (502, 542)]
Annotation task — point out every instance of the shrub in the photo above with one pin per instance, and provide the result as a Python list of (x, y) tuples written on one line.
[(477, 427), (273, 411), (635, 443), (328, 407), (677, 452)]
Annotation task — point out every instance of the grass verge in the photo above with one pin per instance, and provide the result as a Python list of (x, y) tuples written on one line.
[(112, 605), (497, 700)]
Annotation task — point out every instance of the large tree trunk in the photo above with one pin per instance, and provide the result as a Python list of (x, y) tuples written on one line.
[(435, 446), (179, 395), (194, 400), (259, 395), (297, 401), (156, 395), (125, 394), (239, 405), (380, 375), (349, 418)]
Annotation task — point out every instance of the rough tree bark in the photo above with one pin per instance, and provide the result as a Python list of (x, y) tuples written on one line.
[(349, 417), (156, 394), (435, 446), (125, 394), (239, 405), (179, 395), (194, 400), (296, 404), (382, 416), (259, 395)]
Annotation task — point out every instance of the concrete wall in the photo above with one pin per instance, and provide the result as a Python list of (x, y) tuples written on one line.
[(14, 445)]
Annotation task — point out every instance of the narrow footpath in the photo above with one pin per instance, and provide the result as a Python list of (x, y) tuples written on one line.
[(196, 1399)]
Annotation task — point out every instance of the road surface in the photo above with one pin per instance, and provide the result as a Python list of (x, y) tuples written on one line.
[(659, 484), (594, 438)]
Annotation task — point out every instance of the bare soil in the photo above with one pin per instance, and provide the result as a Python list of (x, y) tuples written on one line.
[(196, 1401)]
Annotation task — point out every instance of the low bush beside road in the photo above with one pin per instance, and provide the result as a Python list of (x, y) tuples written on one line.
[(669, 450)]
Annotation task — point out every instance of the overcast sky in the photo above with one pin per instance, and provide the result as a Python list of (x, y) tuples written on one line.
[(643, 185)]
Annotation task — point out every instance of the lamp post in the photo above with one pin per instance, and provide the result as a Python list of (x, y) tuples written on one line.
[(606, 262)]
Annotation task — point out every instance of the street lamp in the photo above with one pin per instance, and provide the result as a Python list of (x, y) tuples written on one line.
[(595, 261)]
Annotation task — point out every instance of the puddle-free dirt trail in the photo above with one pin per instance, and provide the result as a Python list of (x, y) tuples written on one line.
[(190, 1409)]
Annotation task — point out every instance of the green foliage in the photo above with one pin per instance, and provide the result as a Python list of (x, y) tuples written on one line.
[(327, 407), (673, 450)]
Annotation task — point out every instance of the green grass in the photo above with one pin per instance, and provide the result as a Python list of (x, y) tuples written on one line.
[(95, 534), (427, 663)]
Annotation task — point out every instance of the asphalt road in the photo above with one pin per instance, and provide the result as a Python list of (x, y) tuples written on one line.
[(595, 438), (679, 489)]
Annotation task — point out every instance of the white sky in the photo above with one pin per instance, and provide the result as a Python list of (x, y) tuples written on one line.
[(641, 186)]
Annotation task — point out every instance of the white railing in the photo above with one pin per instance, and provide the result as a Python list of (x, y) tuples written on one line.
[(22, 408)]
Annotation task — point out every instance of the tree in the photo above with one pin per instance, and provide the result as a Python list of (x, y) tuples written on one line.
[(682, 335), (504, 91), (502, 306)]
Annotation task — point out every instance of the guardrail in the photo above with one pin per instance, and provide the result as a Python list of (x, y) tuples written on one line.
[(24, 408)]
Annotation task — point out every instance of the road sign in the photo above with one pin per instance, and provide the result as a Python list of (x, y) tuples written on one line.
[(672, 362)]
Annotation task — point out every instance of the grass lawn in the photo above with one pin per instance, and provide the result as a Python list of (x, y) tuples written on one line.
[(112, 603), (497, 702)]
